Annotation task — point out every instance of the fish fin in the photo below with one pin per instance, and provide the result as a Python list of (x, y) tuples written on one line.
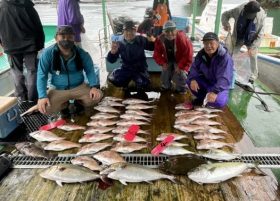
[(123, 182), (59, 183)]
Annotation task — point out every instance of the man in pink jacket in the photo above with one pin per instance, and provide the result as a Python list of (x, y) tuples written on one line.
[(174, 52)]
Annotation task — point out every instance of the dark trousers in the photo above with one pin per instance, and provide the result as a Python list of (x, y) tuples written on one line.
[(25, 88), (122, 76)]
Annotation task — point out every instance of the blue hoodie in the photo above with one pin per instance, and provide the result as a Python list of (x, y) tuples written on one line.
[(69, 77), (218, 72)]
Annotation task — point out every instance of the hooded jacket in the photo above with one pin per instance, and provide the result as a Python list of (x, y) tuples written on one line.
[(21, 29), (218, 73), (183, 51)]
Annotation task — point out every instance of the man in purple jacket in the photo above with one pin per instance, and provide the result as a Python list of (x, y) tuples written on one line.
[(69, 14), (211, 73)]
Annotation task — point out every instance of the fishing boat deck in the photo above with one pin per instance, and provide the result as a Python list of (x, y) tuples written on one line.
[(26, 184)]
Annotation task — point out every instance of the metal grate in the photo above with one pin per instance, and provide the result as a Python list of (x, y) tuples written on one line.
[(33, 121), (30, 162), (263, 160)]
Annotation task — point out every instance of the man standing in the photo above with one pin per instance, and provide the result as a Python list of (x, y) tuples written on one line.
[(22, 36), (66, 63), (174, 52), (69, 14), (211, 73), (248, 30)]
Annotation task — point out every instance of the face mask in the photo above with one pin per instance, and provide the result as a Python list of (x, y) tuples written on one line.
[(66, 44)]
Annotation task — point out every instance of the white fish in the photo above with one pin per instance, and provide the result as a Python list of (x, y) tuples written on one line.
[(101, 123), (125, 172), (61, 145), (106, 109), (45, 136), (162, 136), (95, 137), (98, 130), (218, 154), (140, 107), (207, 135), (138, 112), (212, 144), (71, 127), (87, 162), (120, 138), (93, 148), (125, 122), (102, 115), (217, 172), (68, 173), (108, 157), (175, 150), (128, 147)]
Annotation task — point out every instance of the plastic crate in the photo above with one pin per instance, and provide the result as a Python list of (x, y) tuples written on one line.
[(181, 22)]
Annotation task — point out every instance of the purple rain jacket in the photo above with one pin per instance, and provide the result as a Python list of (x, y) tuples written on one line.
[(69, 13), (218, 73)]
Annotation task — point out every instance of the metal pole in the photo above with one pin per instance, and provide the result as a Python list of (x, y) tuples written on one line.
[(218, 16), (104, 18), (194, 2)]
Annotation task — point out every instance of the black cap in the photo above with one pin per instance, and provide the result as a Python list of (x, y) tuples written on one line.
[(65, 29), (210, 36), (252, 7), (128, 25)]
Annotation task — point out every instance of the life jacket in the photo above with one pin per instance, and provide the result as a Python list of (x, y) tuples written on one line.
[(162, 10)]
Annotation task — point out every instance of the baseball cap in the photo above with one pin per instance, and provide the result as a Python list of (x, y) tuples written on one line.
[(169, 25), (210, 36), (65, 29)]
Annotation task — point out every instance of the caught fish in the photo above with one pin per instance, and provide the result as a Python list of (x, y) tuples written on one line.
[(95, 137), (162, 136), (128, 147), (107, 109), (207, 135), (137, 112), (111, 103), (217, 172), (68, 173), (181, 165), (218, 154), (108, 157), (131, 101), (87, 162), (112, 98), (125, 172), (30, 110), (120, 138), (124, 129), (61, 145), (101, 123), (93, 148), (208, 110), (98, 130), (125, 122), (189, 128), (102, 115), (140, 107), (71, 127), (45, 136), (134, 117), (174, 150), (188, 112), (30, 149), (212, 144), (205, 121)]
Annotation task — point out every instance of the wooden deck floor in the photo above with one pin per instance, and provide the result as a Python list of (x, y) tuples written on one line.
[(27, 185)]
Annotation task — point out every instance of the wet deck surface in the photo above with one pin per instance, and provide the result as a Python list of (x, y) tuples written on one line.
[(26, 184)]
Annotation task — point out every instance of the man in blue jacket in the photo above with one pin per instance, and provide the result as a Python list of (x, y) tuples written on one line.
[(66, 64), (22, 36), (131, 50), (211, 73)]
